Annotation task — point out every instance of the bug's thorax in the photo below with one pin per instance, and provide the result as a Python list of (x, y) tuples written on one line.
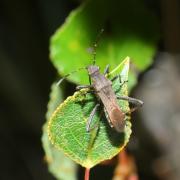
[(99, 81)]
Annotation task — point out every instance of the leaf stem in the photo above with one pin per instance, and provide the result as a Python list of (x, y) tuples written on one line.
[(87, 173), (123, 157)]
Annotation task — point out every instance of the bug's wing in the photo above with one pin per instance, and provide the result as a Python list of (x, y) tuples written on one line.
[(116, 118), (115, 115)]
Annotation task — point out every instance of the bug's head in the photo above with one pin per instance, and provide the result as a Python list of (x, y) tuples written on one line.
[(92, 69)]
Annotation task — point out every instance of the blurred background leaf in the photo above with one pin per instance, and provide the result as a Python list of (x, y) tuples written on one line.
[(130, 30), (59, 164)]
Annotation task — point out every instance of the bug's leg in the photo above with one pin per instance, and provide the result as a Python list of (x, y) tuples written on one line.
[(91, 117), (106, 70), (84, 86), (114, 78), (136, 102), (89, 80), (90, 89), (120, 81)]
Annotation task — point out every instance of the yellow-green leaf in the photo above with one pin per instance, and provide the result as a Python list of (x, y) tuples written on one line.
[(67, 126), (59, 164)]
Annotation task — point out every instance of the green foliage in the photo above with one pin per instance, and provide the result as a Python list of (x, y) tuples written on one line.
[(59, 164), (67, 126), (56, 97), (130, 30)]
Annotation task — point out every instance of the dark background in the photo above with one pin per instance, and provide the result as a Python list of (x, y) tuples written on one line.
[(26, 74)]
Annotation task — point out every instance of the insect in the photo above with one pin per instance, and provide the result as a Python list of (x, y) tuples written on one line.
[(102, 87)]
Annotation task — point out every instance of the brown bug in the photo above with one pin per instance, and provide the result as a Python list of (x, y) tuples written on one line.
[(102, 87), (103, 90)]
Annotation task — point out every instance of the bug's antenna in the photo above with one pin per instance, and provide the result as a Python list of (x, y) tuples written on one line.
[(95, 45), (63, 78)]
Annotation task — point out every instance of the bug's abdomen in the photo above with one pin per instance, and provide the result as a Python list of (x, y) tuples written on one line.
[(117, 118), (115, 115)]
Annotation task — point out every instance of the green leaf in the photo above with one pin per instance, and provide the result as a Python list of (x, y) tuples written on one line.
[(59, 164), (67, 126), (130, 30), (56, 97)]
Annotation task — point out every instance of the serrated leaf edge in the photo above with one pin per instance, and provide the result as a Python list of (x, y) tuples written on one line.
[(87, 163)]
